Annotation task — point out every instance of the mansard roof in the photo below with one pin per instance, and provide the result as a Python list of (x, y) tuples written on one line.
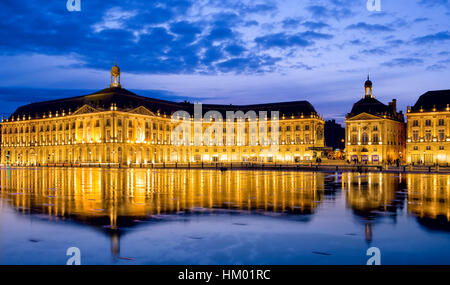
[(438, 100), (126, 100), (372, 106)]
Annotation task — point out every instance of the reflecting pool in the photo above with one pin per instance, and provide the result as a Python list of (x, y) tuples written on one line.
[(168, 216)]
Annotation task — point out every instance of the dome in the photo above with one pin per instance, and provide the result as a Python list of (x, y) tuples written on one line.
[(115, 70)]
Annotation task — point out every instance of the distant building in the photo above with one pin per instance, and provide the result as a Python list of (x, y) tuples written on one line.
[(429, 128), (374, 132), (334, 135)]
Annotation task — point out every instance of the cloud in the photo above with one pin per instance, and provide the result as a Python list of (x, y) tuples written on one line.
[(315, 25), (256, 64), (284, 40), (434, 3), (432, 38), (420, 20), (114, 18), (220, 33), (336, 10), (290, 23), (403, 62), (374, 51), (369, 27), (440, 65)]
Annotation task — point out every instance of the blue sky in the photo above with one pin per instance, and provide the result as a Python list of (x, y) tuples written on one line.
[(220, 51)]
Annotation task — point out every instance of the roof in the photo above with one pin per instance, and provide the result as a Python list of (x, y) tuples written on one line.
[(439, 99), (372, 106), (126, 100)]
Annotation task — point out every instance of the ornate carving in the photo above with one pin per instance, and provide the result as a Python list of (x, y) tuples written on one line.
[(85, 110), (141, 110)]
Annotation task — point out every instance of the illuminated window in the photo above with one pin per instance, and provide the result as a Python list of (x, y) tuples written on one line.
[(365, 138), (375, 138), (428, 135), (441, 135)]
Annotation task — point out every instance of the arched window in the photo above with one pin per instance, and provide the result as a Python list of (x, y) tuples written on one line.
[(365, 138)]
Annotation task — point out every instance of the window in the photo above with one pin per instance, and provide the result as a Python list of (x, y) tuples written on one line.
[(428, 123), (354, 139), (375, 138), (307, 138), (441, 122), (297, 128), (288, 128), (428, 135), (415, 123), (428, 147), (415, 135), (365, 138), (306, 127), (416, 147), (441, 147), (108, 122), (441, 135), (375, 128)]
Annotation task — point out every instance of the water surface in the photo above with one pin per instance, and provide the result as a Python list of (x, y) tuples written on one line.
[(140, 216)]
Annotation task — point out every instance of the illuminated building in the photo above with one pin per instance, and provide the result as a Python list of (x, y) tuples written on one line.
[(116, 126), (429, 128), (374, 132)]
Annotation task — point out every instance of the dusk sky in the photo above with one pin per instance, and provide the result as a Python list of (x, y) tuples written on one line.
[(219, 51)]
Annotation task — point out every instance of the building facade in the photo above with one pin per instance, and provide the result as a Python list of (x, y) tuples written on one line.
[(116, 126), (374, 132), (428, 126)]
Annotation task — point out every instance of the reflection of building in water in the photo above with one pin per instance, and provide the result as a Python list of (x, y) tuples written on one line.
[(372, 196), (114, 194), (112, 198), (429, 196)]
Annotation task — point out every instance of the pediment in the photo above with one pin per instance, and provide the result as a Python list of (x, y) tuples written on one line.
[(141, 110), (85, 109), (364, 116)]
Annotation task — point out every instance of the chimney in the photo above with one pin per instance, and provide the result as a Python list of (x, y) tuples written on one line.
[(393, 105)]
